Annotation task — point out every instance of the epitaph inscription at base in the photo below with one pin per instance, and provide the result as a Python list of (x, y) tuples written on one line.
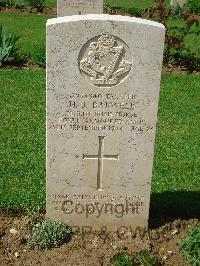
[(103, 81)]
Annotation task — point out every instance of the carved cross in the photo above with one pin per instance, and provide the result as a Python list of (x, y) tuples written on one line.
[(100, 157)]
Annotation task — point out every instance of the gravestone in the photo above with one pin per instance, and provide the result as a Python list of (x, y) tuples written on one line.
[(103, 82), (178, 2), (78, 7)]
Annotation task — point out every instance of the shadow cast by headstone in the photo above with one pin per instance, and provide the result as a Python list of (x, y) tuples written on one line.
[(169, 206)]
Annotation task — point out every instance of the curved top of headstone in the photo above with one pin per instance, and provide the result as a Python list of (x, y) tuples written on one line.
[(99, 17)]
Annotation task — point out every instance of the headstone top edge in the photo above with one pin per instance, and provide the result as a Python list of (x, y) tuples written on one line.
[(99, 17)]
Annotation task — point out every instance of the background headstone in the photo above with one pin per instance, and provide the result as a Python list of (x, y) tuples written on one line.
[(178, 2), (79, 7), (103, 82)]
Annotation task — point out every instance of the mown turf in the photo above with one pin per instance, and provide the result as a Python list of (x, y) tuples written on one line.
[(22, 181), (113, 3), (130, 3), (176, 176), (141, 4), (31, 29), (177, 161), (176, 166)]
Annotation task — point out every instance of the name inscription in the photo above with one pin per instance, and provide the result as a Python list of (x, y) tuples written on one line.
[(99, 112), (78, 3)]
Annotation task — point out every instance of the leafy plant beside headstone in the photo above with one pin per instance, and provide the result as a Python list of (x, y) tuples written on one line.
[(147, 259), (49, 234), (144, 258), (134, 11), (8, 45), (122, 259), (176, 52), (190, 247)]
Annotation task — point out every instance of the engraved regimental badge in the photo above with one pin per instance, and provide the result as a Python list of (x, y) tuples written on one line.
[(105, 61)]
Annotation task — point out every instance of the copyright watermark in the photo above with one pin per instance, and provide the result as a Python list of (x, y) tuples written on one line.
[(97, 209)]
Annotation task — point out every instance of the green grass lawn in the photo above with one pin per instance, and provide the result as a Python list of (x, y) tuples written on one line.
[(114, 3), (32, 30), (176, 178), (22, 167), (176, 164), (130, 3), (178, 145)]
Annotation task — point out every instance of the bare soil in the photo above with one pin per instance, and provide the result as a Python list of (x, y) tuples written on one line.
[(92, 248), (27, 65)]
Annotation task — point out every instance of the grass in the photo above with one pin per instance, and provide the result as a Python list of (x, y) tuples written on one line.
[(114, 3), (31, 28), (177, 163), (141, 4), (176, 177), (22, 182), (22, 167), (190, 247), (130, 3)]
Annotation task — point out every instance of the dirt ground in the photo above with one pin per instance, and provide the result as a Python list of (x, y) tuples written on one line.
[(93, 248)]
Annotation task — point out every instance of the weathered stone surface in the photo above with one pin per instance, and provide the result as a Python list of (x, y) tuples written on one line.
[(178, 2), (103, 82), (79, 7)]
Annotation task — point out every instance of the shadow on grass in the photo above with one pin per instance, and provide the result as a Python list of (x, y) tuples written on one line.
[(169, 206)]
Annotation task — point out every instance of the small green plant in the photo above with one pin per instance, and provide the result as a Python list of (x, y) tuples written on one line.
[(19, 59), (39, 5), (122, 259), (147, 259), (191, 246), (134, 11), (49, 234), (33, 215), (176, 52), (7, 45)]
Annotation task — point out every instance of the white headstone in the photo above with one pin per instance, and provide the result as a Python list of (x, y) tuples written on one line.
[(178, 2), (79, 7), (103, 82)]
